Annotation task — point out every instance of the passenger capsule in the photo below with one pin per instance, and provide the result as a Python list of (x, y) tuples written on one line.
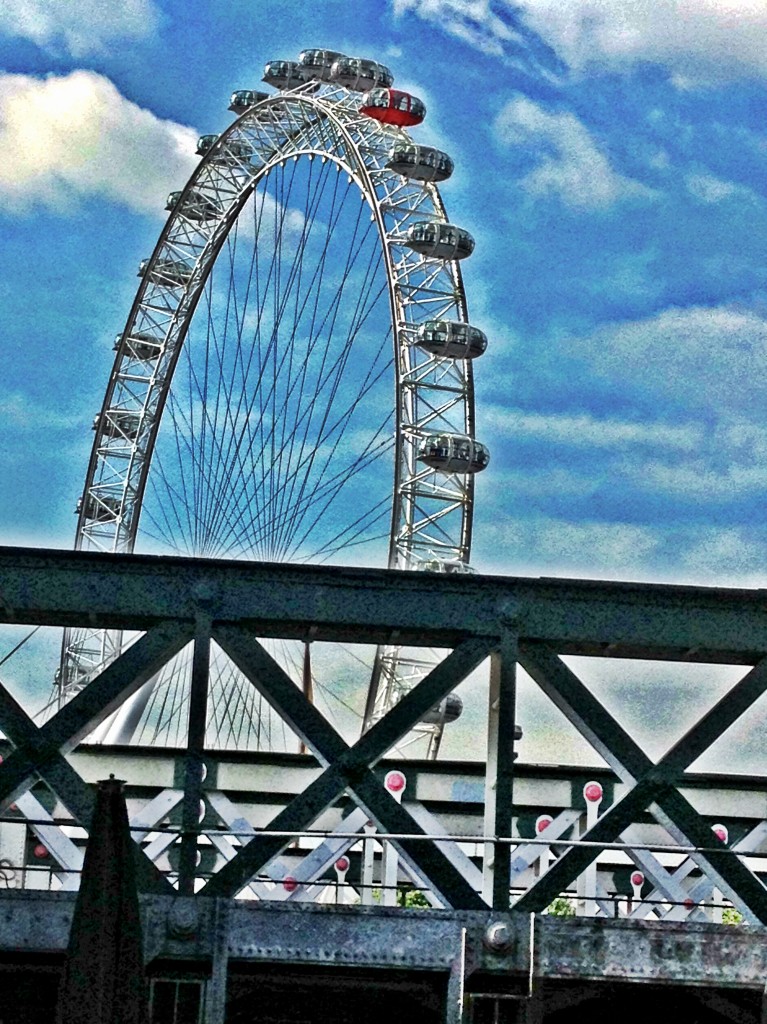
[(421, 163), (450, 567), (318, 63), (168, 273), (451, 339), (439, 240), (232, 153), (118, 423), (391, 106), (453, 453), (283, 74), (243, 99), (194, 206), (140, 345), (359, 74), (448, 710), (205, 142), (101, 510)]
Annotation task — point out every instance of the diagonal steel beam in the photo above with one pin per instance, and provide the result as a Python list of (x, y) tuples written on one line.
[(424, 856), (19, 768), (593, 721), (408, 711), (348, 767), (723, 867), (624, 755), (114, 685), (302, 811), (607, 828), (276, 686), (716, 721), (40, 752)]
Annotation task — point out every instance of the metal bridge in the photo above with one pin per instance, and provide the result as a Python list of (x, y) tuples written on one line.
[(327, 885)]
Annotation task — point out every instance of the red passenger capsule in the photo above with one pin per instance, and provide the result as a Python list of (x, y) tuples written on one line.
[(393, 107)]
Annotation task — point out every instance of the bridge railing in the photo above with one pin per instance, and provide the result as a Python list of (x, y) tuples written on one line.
[(197, 838)]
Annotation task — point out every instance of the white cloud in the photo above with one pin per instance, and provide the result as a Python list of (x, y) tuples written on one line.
[(79, 27), (698, 40), (700, 481), (709, 189), (65, 137), (694, 38), (702, 357), (544, 544), (19, 412), (540, 545), (471, 20), (569, 162), (585, 431)]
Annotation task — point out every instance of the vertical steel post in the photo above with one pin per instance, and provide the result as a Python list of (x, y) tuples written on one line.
[(456, 986), (368, 865), (215, 989), (499, 777), (193, 773)]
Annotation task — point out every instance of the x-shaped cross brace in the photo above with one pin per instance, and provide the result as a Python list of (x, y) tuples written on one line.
[(652, 783), (347, 768), (41, 752)]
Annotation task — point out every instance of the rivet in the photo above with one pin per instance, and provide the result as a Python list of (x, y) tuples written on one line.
[(498, 936)]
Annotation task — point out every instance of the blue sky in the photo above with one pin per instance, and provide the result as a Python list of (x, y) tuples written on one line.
[(611, 162), (611, 165)]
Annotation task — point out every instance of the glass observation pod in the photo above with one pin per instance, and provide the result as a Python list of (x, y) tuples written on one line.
[(318, 63), (168, 273), (359, 75), (240, 101), (228, 155), (448, 710), (422, 163), (450, 567), (102, 509), (451, 339), (391, 106), (118, 423), (142, 346), (439, 240), (453, 453), (283, 74), (194, 205)]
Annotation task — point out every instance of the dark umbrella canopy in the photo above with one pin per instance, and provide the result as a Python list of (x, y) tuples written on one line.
[(104, 979)]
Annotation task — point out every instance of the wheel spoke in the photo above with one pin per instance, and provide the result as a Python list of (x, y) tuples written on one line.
[(284, 391)]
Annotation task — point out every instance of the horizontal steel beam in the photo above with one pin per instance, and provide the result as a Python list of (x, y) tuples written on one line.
[(46, 587), (581, 949)]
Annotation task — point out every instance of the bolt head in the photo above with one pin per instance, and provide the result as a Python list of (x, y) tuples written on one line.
[(498, 936)]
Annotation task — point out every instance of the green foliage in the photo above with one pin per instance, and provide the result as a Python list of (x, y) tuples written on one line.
[(412, 898), (561, 907), (731, 916)]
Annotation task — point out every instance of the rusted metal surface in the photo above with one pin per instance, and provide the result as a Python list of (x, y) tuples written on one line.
[(720, 956)]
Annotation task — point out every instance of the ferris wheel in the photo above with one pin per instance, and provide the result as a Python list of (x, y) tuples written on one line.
[(294, 380)]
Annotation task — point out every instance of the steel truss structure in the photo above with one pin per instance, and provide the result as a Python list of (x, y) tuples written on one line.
[(430, 511), (530, 623)]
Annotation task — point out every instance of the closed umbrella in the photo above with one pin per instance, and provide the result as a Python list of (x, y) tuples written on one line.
[(104, 980)]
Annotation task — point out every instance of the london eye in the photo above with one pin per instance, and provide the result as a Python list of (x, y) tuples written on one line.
[(294, 378)]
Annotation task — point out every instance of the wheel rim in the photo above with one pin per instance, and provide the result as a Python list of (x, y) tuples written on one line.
[(317, 133)]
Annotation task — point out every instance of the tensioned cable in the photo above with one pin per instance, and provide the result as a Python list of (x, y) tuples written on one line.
[(238, 436), (256, 470), (314, 453), (19, 645), (284, 205), (266, 475)]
